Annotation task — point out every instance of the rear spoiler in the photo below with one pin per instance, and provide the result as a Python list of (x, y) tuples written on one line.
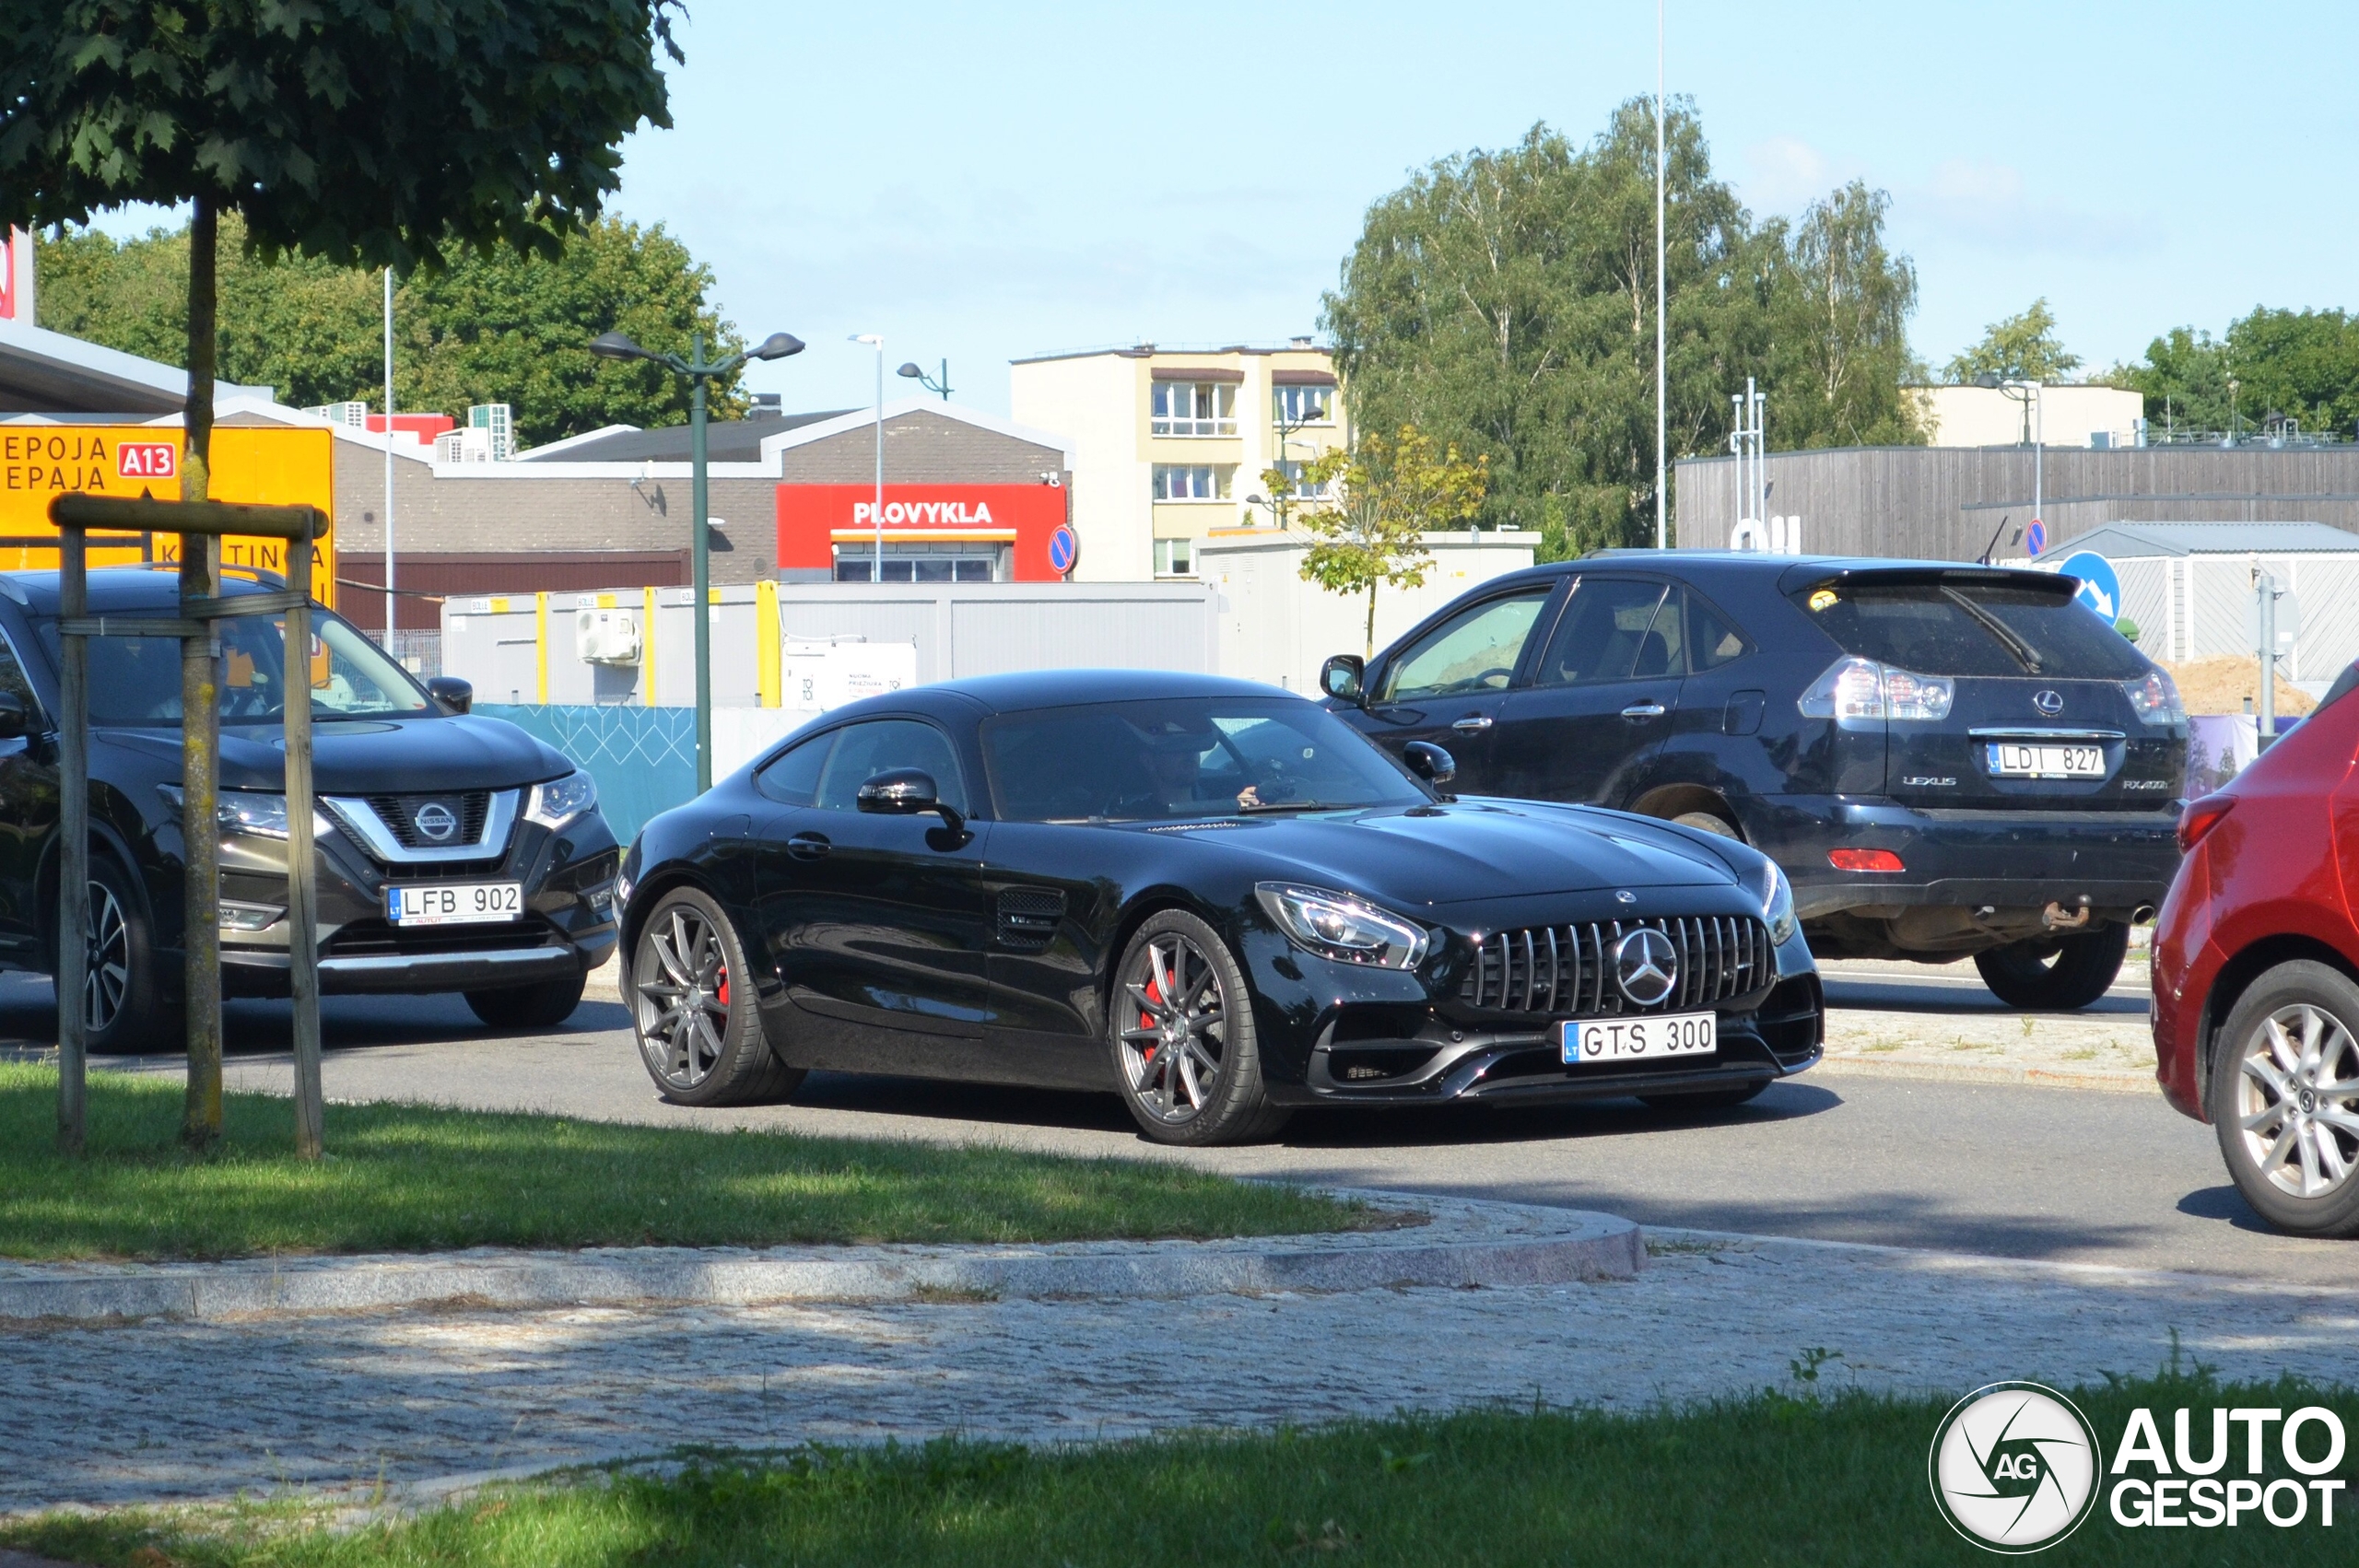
[(1926, 574)]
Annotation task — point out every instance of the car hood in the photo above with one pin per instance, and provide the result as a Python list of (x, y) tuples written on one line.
[(370, 756), (1471, 851)]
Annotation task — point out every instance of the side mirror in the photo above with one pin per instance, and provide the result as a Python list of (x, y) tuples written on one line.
[(1430, 763), (1341, 677), (456, 695), (908, 791), (16, 718)]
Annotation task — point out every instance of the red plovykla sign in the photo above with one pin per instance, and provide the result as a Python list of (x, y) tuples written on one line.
[(813, 521)]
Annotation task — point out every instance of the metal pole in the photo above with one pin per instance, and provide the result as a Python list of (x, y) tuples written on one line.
[(878, 517), (1662, 537), (302, 881), (2038, 449), (2266, 586), (945, 378), (73, 829), (389, 465), (699, 553)]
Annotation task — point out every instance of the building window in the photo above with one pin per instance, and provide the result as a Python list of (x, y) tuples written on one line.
[(1175, 557), (922, 563), (1303, 491), (1305, 405), (1195, 408), (1191, 482)]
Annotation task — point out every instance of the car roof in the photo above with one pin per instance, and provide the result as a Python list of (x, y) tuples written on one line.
[(1785, 571), (116, 589), (1018, 691)]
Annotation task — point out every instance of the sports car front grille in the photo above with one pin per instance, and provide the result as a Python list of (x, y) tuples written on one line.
[(1569, 970)]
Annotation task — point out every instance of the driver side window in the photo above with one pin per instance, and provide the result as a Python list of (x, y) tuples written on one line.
[(863, 751), (1473, 652)]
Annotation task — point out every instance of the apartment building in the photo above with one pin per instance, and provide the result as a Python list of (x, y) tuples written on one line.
[(1170, 445)]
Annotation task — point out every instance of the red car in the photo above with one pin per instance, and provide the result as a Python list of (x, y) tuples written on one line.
[(2256, 972)]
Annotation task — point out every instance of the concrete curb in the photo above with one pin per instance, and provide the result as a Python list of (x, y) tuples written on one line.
[(1992, 1072), (1463, 1243)]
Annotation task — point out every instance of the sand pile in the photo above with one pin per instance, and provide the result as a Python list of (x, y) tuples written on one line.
[(2224, 685)]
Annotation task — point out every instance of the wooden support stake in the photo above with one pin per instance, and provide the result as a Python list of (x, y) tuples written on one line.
[(303, 881), (74, 827)]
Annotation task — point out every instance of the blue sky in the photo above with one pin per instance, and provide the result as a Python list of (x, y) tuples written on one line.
[(985, 182)]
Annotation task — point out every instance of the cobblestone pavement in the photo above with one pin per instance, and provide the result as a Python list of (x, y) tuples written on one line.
[(180, 1409)]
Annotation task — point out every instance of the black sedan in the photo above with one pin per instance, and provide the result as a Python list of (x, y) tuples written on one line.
[(1212, 898)]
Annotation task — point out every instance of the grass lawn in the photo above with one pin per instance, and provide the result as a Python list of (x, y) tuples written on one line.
[(411, 1178), (1769, 1480)]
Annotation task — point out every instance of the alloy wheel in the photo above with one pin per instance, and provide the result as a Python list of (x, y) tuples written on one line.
[(2297, 1101), (106, 972), (1176, 1055), (681, 997)]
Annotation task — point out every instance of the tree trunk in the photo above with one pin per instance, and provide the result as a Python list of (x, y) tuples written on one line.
[(200, 712), (1371, 621)]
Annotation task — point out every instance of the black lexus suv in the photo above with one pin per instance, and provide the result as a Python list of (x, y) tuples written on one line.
[(455, 853), (1948, 760)]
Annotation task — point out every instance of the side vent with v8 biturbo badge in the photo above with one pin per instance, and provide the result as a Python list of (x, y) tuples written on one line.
[(1029, 918)]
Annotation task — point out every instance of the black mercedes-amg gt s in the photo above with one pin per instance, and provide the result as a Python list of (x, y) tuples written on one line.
[(1212, 898)]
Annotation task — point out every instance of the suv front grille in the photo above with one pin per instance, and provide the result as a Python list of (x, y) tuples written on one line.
[(399, 813), (1568, 971)]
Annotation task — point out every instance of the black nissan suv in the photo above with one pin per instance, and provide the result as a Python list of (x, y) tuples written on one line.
[(455, 853), (1947, 760)]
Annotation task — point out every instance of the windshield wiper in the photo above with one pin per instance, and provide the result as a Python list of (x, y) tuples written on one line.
[(2024, 654), (1301, 806)]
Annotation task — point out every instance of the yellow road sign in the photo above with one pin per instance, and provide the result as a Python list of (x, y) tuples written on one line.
[(266, 464)]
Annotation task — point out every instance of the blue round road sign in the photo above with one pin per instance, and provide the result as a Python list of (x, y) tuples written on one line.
[(1063, 548), (2035, 538), (2100, 588)]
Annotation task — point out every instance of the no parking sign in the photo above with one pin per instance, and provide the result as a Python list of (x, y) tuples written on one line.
[(1064, 549)]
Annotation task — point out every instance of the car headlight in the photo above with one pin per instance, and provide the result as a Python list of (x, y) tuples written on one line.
[(559, 801), (247, 810), (1338, 926), (1776, 903)]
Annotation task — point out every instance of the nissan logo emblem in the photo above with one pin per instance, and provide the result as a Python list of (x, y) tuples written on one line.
[(1646, 966), (436, 821), (2049, 701)]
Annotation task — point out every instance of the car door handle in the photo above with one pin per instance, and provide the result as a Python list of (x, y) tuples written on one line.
[(809, 845), (1472, 722), (1645, 710)]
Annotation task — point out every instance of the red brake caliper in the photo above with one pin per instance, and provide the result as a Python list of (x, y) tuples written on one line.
[(1146, 1020), (722, 993)]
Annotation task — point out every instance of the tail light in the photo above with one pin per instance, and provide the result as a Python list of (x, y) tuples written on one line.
[(2155, 698), (1864, 860), (2200, 817), (1862, 694)]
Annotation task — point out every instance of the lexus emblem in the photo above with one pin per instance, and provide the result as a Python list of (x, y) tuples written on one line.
[(2049, 701), (1646, 966), (435, 821)]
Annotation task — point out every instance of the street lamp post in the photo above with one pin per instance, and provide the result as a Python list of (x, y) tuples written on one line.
[(909, 368), (698, 370), (876, 516), (2035, 408)]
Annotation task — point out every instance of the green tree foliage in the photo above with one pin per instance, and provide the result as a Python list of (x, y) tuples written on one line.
[(1386, 495), (2302, 364), (496, 325), (1503, 302), (2022, 347)]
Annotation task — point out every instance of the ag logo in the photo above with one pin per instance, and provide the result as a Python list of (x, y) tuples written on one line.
[(2014, 1468), (436, 821)]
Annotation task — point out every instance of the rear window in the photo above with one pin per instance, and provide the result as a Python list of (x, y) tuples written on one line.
[(1970, 628)]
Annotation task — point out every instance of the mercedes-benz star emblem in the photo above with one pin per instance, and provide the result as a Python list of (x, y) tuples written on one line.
[(2049, 701), (434, 820), (1646, 966)]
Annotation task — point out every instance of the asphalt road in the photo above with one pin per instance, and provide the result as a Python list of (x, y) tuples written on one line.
[(2051, 1174)]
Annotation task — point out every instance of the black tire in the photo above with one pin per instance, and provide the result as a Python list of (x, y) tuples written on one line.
[(701, 1042), (2055, 974), (542, 1006), (127, 1006), (1709, 822), (1706, 1100), (2253, 1116), (1162, 1054)]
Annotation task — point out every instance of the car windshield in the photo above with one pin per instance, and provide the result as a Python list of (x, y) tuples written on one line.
[(1191, 758), (136, 681), (1970, 627)]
